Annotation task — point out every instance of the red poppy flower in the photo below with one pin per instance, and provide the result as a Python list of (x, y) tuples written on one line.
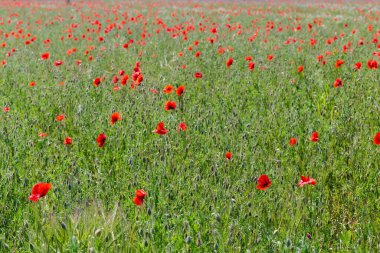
[(372, 64), (168, 89), (376, 140), (115, 117), (263, 182), (306, 180), (139, 197), (270, 57), (78, 62), (292, 141), (181, 127), (67, 141), (58, 63), (229, 62), (228, 155), (101, 139), (32, 84), (339, 63), (180, 90), (251, 65), (300, 69), (124, 80), (198, 75), (39, 190), (42, 135), (170, 105), (338, 83), (249, 58), (160, 129), (6, 109), (45, 56), (60, 117), (97, 81), (314, 137), (358, 66), (197, 54)]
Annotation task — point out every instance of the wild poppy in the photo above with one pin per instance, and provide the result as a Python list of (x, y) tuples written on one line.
[(180, 90), (292, 141), (97, 81), (32, 84), (338, 83), (270, 57), (60, 117), (6, 109), (339, 63), (168, 89), (314, 137), (101, 139), (115, 117), (45, 56), (229, 62), (139, 197), (42, 135), (160, 129), (228, 155), (372, 64), (251, 65), (248, 58), (300, 69), (198, 75), (358, 66), (263, 182), (67, 141), (39, 190), (306, 180), (58, 63), (170, 105), (376, 140), (181, 127)]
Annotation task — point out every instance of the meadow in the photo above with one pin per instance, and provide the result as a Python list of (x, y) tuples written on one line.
[(186, 126)]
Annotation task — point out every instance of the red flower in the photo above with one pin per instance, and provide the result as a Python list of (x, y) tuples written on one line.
[(228, 155), (229, 62), (57, 63), (198, 75), (115, 117), (338, 83), (78, 62), (160, 129), (168, 89), (314, 137), (358, 66), (372, 64), (170, 105), (251, 65), (270, 57), (292, 141), (338, 63), (101, 139), (197, 54), (60, 117), (306, 180), (97, 81), (6, 109), (139, 197), (181, 127), (180, 90), (376, 140), (32, 84), (67, 141), (124, 79), (45, 56), (248, 58), (39, 190), (300, 69), (263, 182), (42, 135)]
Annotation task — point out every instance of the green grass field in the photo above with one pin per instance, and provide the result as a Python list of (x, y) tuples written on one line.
[(74, 60)]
